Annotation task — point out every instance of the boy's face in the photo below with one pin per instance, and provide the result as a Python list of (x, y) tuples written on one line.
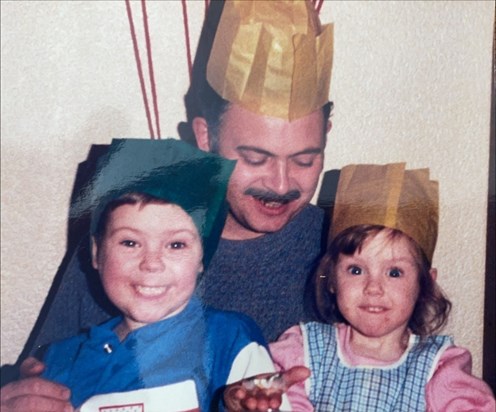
[(148, 259), (377, 287)]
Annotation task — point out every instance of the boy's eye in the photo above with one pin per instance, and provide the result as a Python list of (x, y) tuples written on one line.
[(395, 273), (177, 245), (128, 243), (355, 270)]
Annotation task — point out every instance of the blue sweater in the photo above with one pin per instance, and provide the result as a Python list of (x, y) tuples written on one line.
[(199, 344)]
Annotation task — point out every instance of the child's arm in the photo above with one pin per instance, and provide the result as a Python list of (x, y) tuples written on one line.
[(287, 352), (453, 387)]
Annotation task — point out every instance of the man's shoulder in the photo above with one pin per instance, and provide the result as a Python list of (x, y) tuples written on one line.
[(311, 213), (306, 227)]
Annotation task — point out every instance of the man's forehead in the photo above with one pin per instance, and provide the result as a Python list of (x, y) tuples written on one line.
[(248, 130), (260, 150), (235, 113)]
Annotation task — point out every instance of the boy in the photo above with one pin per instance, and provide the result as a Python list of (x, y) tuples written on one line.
[(158, 210)]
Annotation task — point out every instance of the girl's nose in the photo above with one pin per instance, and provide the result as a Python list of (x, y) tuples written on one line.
[(373, 287)]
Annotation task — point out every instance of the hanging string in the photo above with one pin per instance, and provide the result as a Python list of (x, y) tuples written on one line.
[(140, 71), (207, 3), (186, 35), (150, 67), (318, 4)]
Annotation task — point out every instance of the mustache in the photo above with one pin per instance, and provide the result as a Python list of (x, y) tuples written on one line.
[(270, 196)]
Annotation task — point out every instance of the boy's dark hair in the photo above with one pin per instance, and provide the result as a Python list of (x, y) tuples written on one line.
[(432, 307), (131, 198), (213, 107)]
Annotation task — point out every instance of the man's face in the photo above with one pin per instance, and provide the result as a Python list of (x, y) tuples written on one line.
[(279, 163)]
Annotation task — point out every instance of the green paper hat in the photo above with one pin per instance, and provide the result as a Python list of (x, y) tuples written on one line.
[(168, 169)]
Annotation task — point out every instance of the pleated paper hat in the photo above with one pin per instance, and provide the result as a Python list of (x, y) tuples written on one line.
[(167, 169), (390, 196), (272, 57)]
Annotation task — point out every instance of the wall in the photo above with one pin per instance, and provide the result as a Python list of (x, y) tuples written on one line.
[(411, 82)]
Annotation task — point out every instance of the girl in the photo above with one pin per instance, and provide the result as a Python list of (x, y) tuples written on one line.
[(377, 294)]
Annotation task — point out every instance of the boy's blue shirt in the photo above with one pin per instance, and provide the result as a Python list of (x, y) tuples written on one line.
[(199, 343)]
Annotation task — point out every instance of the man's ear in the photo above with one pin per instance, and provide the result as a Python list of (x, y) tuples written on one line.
[(94, 253), (433, 273), (329, 126), (200, 129)]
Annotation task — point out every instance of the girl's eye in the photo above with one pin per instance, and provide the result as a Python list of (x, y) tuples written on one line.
[(128, 243), (355, 270), (395, 273), (177, 245)]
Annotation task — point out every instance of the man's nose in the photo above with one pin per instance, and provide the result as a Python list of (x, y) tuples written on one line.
[(277, 178), (152, 261)]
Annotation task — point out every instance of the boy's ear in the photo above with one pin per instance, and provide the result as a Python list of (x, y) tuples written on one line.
[(94, 253), (200, 129), (433, 273)]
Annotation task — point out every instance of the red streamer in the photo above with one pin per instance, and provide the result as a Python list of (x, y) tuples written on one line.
[(150, 67), (186, 35), (140, 71), (318, 4), (207, 3)]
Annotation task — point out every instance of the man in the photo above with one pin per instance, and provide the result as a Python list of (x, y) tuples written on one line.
[(270, 112)]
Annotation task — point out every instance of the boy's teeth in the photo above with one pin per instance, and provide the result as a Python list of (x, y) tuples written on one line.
[(150, 290)]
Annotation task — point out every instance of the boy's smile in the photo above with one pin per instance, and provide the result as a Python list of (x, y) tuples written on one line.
[(148, 259)]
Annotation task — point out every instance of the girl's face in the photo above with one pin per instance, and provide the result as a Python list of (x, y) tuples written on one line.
[(377, 287), (148, 259)]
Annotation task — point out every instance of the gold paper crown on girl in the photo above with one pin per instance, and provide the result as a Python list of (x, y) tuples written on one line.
[(272, 57), (390, 196)]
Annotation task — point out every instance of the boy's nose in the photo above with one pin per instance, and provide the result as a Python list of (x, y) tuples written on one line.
[(152, 262)]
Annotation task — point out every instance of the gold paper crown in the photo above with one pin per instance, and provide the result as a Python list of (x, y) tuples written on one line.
[(272, 57), (390, 196)]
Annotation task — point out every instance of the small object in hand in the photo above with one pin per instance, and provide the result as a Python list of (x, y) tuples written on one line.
[(273, 381)]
